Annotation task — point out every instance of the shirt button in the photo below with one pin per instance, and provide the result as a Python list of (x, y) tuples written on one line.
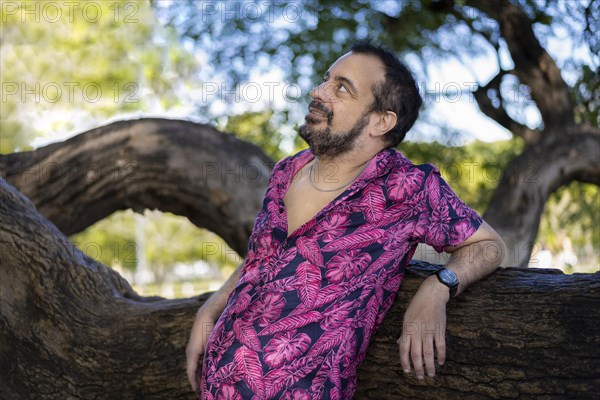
[(213, 353), (261, 283), (233, 316)]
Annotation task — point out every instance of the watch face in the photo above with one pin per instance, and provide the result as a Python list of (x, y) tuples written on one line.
[(448, 277)]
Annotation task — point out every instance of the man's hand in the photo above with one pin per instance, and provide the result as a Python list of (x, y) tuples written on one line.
[(203, 326), (425, 327)]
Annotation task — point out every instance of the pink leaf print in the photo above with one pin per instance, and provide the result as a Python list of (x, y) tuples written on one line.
[(321, 377), (267, 309), (308, 280), (393, 284), (404, 183), (355, 240), (379, 286), (345, 265), (287, 375), (227, 375), (246, 334), (275, 213), (373, 204), (334, 226), (336, 392), (399, 237), (461, 231), (281, 285), (291, 322), (333, 292), (264, 248), (347, 351), (309, 249), (329, 340), (422, 227), (349, 389), (370, 319), (206, 395), (296, 394), (438, 230), (249, 364), (432, 186), (381, 262), (282, 259), (285, 347), (242, 302), (228, 392), (221, 343), (336, 315)]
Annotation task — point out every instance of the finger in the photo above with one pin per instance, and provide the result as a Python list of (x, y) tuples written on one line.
[(191, 372), (416, 349), (428, 355), (404, 345), (440, 346)]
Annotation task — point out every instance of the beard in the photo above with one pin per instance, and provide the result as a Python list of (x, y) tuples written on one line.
[(323, 142)]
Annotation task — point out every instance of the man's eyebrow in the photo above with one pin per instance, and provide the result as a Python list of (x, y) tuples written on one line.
[(345, 80)]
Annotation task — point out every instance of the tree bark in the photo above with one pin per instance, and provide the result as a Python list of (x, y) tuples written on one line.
[(73, 328), (519, 199), (556, 154), (189, 169)]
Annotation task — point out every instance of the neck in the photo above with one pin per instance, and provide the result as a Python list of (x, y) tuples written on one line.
[(345, 165)]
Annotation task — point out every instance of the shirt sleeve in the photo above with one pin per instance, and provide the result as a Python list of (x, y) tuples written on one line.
[(444, 220)]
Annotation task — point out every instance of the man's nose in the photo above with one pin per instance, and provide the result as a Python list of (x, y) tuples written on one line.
[(323, 92)]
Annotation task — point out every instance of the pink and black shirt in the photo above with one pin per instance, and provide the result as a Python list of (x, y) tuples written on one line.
[(299, 321)]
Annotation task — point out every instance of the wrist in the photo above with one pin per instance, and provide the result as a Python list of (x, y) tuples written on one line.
[(436, 289)]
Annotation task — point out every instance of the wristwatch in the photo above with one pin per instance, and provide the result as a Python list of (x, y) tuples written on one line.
[(448, 278)]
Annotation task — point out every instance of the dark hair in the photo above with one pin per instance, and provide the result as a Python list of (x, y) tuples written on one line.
[(398, 92)]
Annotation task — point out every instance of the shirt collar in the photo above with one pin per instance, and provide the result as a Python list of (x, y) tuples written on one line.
[(378, 166)]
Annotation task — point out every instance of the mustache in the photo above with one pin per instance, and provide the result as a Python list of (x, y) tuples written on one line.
[(319, 106)]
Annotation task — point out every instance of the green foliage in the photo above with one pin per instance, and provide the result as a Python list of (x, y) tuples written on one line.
[(572, 211), (164, 238), (257, 128), (111, 241), (65, 65), (472, 170)]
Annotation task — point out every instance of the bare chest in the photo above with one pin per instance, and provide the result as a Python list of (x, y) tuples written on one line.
[(302, 203)]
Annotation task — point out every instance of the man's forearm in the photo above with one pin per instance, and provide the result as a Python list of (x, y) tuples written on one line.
[(475, 261), (217, 302)]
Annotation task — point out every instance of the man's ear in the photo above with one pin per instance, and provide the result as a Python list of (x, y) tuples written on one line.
[(384, 123)]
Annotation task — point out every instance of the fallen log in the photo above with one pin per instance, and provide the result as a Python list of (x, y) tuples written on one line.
[(73, 328)]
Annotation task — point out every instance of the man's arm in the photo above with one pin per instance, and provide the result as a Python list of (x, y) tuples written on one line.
[(425, 318), (204, 323)]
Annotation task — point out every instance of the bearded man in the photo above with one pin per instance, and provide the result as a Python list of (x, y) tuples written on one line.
[(339, 224)]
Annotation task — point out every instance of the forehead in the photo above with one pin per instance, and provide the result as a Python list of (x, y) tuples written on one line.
[(363, 70)]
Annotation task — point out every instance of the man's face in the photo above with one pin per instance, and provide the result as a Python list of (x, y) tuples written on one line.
[(338, 115)]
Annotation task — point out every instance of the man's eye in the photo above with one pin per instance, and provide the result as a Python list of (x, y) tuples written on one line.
[(343, 88)]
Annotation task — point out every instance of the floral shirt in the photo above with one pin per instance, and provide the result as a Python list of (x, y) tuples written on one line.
[(299, 321)]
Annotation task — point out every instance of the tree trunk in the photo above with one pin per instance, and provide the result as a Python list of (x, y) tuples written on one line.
[(73, 328), (189, 169), (518, 202)]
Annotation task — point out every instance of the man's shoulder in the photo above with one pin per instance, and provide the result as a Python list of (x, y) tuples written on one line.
[(402, 165)]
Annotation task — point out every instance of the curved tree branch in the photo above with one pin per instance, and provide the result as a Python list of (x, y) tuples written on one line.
[(518, 201), (499, 113), (533, 65), (189, 169)]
